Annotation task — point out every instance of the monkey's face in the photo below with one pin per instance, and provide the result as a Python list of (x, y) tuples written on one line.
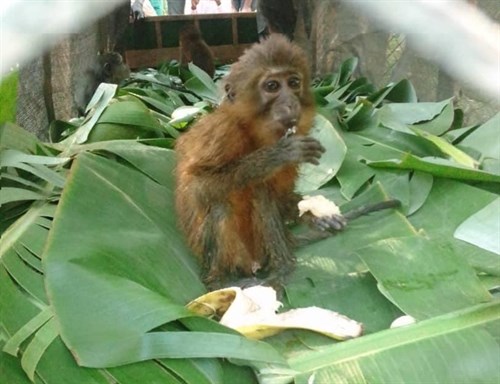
[(112, 68), (280, 93)]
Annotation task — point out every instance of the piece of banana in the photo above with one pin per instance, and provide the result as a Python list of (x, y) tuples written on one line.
[(252, 312)]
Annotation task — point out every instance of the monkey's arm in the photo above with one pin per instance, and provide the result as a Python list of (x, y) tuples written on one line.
[(328, 225), (261, 164)]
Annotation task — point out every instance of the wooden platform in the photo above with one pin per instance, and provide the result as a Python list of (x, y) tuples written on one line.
[(156, 39)]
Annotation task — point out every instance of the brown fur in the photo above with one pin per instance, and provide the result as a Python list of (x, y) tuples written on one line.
[(194, 49), (236, 173)]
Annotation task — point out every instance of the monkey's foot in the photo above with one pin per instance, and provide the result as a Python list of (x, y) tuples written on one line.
[(248, 282)]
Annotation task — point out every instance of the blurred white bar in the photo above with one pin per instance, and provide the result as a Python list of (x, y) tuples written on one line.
[(453, 33), (28, 27)]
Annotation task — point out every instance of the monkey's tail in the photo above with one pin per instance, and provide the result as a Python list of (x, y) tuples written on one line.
[(369, 208)]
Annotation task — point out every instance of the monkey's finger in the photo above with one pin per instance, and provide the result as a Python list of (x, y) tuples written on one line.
[(313, 160), (305, 156), (320, 224), (328, 223), (312, 154), (312, 157), (337, 222), (312, 150), (312, 143)]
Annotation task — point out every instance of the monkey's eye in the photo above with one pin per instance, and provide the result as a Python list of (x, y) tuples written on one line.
[(272, 86), (294, 82)]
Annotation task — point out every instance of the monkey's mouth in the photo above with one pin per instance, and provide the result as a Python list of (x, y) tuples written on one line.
[(290, 131), (282, 129)]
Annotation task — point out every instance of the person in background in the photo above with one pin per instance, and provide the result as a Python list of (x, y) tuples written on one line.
[(158, 7), (244, 5), (176, 7), (141, 9), (276, 16), (208, 6)]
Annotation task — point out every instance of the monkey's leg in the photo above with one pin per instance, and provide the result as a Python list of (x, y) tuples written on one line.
[(272, 254), (224, 253), (276, 240), (210, 245)]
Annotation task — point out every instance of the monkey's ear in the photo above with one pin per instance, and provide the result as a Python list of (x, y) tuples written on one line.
[(117, 58), (106, 69), (230, 94)]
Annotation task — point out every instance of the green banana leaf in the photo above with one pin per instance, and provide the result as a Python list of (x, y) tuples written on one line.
[(459, 347), (94, 274)]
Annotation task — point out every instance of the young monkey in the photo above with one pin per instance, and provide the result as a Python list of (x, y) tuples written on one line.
[(237, 167)]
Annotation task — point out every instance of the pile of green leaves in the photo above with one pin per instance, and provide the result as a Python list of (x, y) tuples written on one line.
[(94, 274)]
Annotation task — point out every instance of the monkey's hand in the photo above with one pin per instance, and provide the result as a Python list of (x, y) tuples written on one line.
[(323, 213), (300, 149)]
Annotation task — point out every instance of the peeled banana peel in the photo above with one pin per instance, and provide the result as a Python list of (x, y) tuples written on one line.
[(252, 312)]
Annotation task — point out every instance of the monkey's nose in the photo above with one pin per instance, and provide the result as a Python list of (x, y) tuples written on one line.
[(289, 122), (286, 117)]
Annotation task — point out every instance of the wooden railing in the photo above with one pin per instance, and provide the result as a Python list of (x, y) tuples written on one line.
[(156, 39)]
